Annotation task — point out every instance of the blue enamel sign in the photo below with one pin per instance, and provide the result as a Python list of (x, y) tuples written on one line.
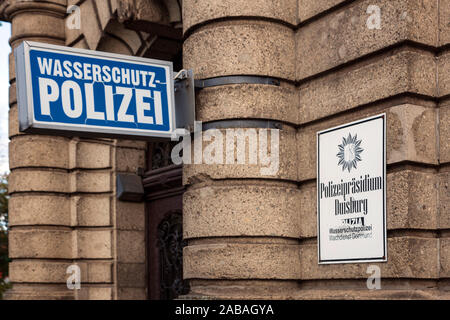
[(78, 91)]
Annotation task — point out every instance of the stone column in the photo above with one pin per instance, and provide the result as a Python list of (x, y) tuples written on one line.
[(40, 236), (242, 226)]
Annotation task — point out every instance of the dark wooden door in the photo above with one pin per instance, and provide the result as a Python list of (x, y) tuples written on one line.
[(164, 208)]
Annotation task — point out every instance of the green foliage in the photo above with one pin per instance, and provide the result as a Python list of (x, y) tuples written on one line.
[(3, 233)]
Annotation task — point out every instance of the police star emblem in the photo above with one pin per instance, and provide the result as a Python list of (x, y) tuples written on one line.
[(349, 152)]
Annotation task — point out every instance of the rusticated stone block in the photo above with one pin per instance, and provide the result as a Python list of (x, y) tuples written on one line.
[(444, 134), (241, 261), (136, 144), (130, 246), (40, 243), (308, 9), (411, 136), (444, 200), (236, 48), (90, 26), (131, 275), (196, 12), (95, 271), (38, 271), (408, 257), (344, 35), (130, 215), (28, 22), (444, 255), (444, 74), (12, 67), (252, 101), (13, 129), (100, 293), (444, 23), (241, 210), (87, 155), (230, 161), (404, 70), (411, 202), (39, 210), (132, 293), (128, 160), (308, 210), (53, 180), (93, 243), (39, 151), (91, 181), (92, 210)]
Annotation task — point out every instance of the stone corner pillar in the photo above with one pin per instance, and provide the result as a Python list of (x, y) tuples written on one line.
[(40, 236), (240, 222)]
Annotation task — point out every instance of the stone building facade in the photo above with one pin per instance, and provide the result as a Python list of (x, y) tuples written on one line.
[(247, 235)]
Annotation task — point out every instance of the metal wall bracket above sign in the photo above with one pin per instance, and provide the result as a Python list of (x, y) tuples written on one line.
[(220, 81)]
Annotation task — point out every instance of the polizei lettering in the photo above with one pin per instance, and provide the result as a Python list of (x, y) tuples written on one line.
[(76, 99)]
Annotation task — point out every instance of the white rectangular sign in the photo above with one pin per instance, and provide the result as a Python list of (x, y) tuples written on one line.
[(351, 192)]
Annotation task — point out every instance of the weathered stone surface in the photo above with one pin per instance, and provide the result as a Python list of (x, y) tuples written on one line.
[(27, 23), (344, 35), (411, 136), (94, 243), (272, 165), (100, 293), (411, 202), (308, 210), (90, 26), (39, 180), (196, 12), (444, 74), (444, 199), (408, 257), (236, 48), (130, 215), (38, 271), (132, 293), (13, 129), (241, 261), (88, 155), (256, 210), (28, 209), (131, 275), (95, 271), (131, 246), (136, 144), (39, 151), (404, 70), (40, 243), (92, 210), (444, 134), (444, 255), (91, 181), (308, 9), (252, 101), (444, 23), (128, 160)]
